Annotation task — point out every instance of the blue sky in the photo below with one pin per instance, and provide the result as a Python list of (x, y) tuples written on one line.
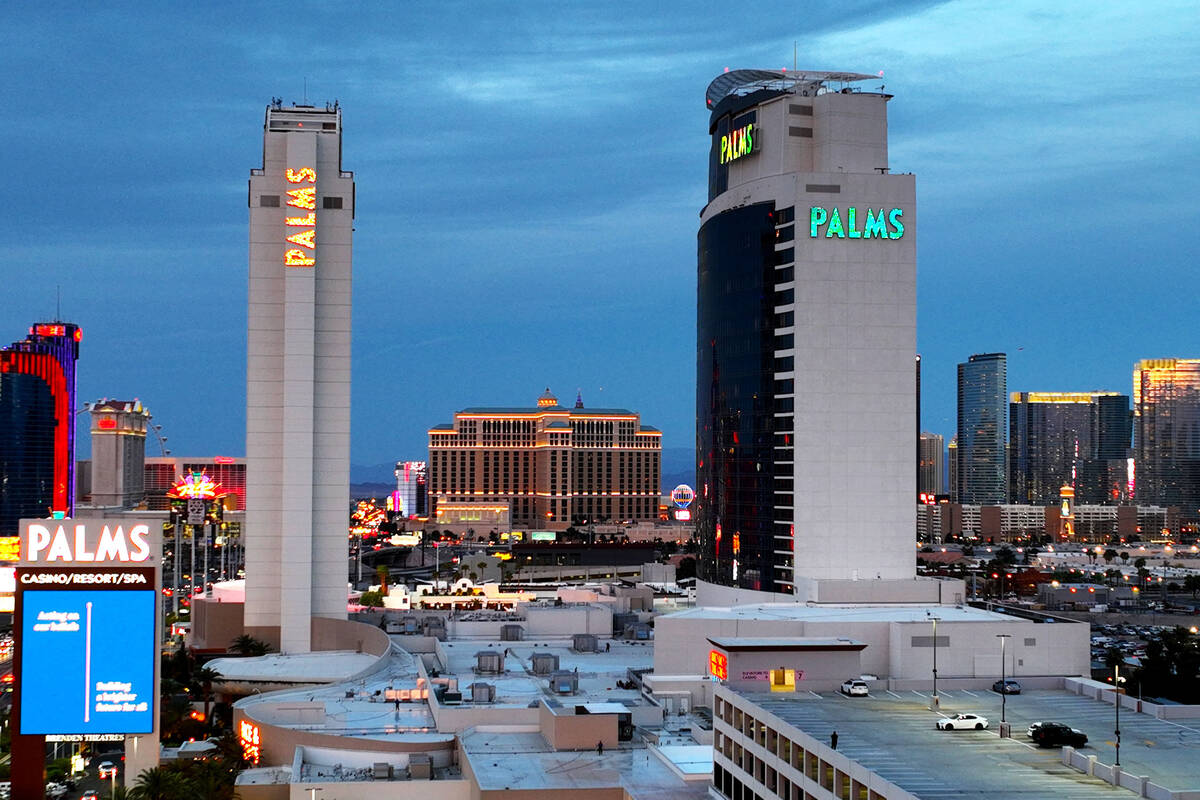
[(529, 178)]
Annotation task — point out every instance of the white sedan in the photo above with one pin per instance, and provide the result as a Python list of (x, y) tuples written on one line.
[(960, 722), (855, 688)]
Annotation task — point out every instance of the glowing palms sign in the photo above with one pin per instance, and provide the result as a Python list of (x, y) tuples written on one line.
[(305, 199)]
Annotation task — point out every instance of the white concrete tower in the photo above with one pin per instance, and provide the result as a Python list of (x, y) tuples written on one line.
[(806, 401), (298, 377)]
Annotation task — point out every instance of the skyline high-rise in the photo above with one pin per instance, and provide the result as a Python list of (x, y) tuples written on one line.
[(118, 453), (298, 376), (931, 464), (982, 430), (1166, 404), (806, 336), (37, 424), (1076, 439)]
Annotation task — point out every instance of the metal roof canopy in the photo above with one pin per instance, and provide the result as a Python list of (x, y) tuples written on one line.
[(742, 81)]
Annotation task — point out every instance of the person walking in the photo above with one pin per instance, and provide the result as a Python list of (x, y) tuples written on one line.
[(833, 740), (600, 748)]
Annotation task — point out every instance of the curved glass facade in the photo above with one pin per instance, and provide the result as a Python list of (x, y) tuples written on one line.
[(734, 391)]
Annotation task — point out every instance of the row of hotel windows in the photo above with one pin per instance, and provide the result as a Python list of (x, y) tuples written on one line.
[(750, 761)]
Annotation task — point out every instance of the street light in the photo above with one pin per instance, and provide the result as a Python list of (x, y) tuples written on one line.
[(1117, 681), (1003, 637), (936, 700)]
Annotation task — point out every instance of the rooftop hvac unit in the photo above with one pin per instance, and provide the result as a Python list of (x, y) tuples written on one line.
[(511, 633), (489, 662), (543, 663), (411, 625), (381, 771), (585, 643), (483, 693), (420, 766), (564, 682)]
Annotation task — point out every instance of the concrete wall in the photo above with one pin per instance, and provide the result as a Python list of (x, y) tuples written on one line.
[(682, 646), (563, 729), (456, 789), (215, 624), (822, 671), (552, 621)]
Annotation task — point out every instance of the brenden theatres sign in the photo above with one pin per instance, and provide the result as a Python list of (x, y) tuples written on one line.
[(855, 223)]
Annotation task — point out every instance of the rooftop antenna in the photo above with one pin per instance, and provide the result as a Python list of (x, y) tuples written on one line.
[(58, 302), (794, 62), (305, 90)]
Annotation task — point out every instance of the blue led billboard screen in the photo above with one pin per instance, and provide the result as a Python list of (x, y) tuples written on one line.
[(87, 661)]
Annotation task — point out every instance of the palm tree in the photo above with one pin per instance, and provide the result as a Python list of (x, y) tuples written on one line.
[(158, 783), (205, 676), (247, 645)]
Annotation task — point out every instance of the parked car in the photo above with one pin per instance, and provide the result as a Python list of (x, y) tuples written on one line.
[(1006, 687), (1055, 734), (855, 688), (961, 722)]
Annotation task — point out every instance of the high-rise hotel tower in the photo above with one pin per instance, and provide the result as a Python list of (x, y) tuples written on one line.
[(806, 336), (298, 376)]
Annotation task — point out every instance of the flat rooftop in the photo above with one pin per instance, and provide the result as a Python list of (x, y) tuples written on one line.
[(893, 734), (506, 760), (598, 672), (847, 613), (318, 667)]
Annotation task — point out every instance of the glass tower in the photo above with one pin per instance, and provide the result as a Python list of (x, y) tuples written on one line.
[(1166, 402), (982, 424), (37, 424), (806, 337)]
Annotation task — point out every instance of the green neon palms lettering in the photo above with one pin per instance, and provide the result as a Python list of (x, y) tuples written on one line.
[(835, 226), (850, 214), (816, 218), (876, 227), (894, 218)]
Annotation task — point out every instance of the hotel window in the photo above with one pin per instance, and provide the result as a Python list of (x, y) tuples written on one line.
[(785, 215), (331, 202), (268, 201)]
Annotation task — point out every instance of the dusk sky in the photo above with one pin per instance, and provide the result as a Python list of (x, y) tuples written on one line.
[(529, 179)]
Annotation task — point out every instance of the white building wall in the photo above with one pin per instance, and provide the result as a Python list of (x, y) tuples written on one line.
[(855, 335), (298, 389)]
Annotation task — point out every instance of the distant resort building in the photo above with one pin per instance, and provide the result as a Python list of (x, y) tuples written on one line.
[(547, 467)]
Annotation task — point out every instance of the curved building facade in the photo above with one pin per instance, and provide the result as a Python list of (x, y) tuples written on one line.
[(806, 336)]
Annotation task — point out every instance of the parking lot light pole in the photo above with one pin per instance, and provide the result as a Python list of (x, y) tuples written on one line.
[(1117, 681), (936, 700), (1003, 637)]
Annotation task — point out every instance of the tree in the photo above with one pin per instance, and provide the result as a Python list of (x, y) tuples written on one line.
[(159, 783), (371, 599), (205, 677), (1124, 557), (1139, 563), (1192, 584), (686, 568), (1005, 556), (1109, 555), (382, 572), (247, 645)]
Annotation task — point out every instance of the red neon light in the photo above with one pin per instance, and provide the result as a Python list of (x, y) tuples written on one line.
[(302, 175), (194, 487), (297, 258), (305, 198), (51, 330), (223, 460), (718, 664), (48, 368), (106, 424)]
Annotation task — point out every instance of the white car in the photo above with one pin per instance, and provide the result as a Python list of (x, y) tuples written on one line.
[(960, 722), (107, 769), (855, 688)]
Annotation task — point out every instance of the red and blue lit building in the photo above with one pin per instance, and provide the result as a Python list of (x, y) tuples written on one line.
[(37, 424)]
